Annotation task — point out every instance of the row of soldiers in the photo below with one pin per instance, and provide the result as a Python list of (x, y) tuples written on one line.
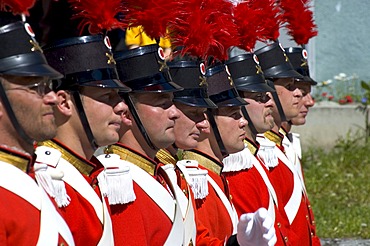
[(126, 148)]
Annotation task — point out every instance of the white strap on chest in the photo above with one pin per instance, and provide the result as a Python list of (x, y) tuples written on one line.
[(186, 206), (297, 144), (273, 198), (51, 219), (75, 179), (294, 159), (164, 200), (51, 223), (292, 206), (228, 205)]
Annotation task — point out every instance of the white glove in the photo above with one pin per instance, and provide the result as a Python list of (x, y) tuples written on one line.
[(256, 229)]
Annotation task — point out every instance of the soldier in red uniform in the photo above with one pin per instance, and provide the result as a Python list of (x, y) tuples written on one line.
[(27, 215), (88, 116), (291, 195), (215, 209), (154, 216), (298, 57), (247, 175)]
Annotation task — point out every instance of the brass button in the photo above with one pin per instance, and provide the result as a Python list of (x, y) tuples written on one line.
[(313, 222), (61, 244), (185, 192), (311, 234), (93, 186), (279, 225), (231, 197), (286, 239), (307, 217), (309, 206), (182, 175), (227, 181)]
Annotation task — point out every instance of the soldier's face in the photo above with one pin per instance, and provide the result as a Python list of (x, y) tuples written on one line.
[(289, 95), (103, 108), (158, 114), (188, 127), (306, 103), (33, 104), (231, 124), (260, 111)]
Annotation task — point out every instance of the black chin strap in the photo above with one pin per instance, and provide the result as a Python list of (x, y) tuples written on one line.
[(13, 118), (220, 143), (83, 119), (134, 114), (250, 123), (277, 101)]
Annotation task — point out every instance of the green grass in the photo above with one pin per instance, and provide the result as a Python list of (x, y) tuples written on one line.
[(338, 186)]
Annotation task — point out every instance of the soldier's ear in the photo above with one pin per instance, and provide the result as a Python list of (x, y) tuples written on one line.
[(65, 103), (126, 118)]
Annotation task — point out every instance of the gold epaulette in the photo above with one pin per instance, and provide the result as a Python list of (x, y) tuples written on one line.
[(147, 165), (82, 165), (14, 159), (274, 137), (253, 148), (204, 161), (165, 157)]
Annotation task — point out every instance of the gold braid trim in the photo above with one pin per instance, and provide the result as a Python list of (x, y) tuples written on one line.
[(203, 161), (127, 155), (81, 165), (274, 137), (16, 160), (252, 147), (165, 157)]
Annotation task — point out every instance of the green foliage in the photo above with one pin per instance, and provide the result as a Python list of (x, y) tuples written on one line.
[(338, 184), (364, 107)]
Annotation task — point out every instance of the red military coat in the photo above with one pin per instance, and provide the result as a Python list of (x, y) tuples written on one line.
[(249, 190), (141, 222), (211, 212), (19, 219), (307, 212), (282, 178), (80, 215)]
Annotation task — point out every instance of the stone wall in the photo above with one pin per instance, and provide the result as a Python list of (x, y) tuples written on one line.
[(327, 121)]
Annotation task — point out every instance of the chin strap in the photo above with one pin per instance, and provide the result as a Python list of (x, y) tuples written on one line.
[(13, 118), (83, 118), (220, 143), (277, 101), (250, 123), (134, 114)]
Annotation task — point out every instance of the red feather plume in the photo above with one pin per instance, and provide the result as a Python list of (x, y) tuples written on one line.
[(257, 20), (17, 6), (204, 28), (299, 20), (247, 20), (269, 16), (98, 15), (152, 15)]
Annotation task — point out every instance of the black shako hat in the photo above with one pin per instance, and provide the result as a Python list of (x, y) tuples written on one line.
[(190, 74), (221, 88), (298, 58), (144, 69), (275, 63), (20, 53), (247, 74), (84, 61)]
